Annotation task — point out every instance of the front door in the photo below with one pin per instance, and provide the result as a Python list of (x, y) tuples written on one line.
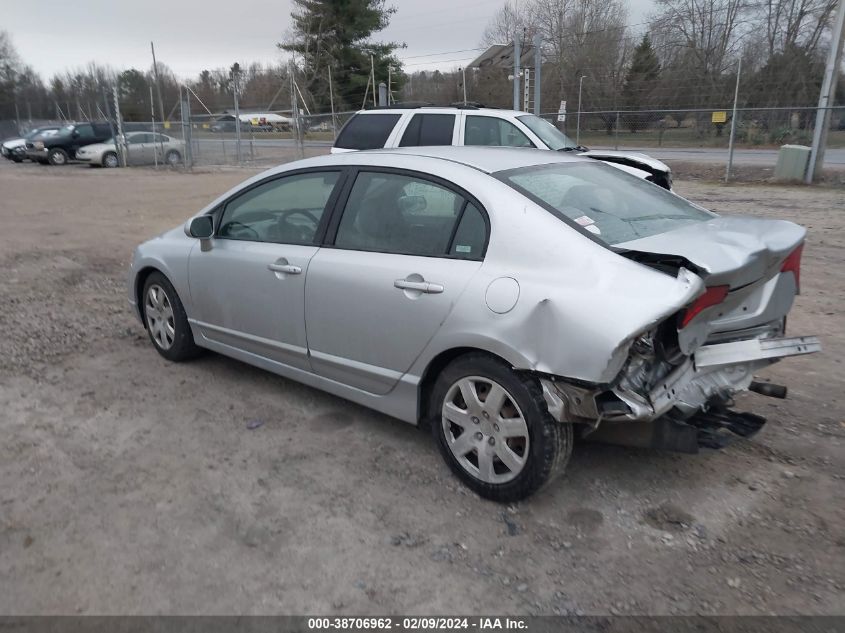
[(247, 283), (405, 249)]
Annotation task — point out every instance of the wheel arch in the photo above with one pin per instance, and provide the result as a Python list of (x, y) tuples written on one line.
[(433, 369)]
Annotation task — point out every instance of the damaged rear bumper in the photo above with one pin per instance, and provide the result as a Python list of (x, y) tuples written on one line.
[(713, 373)]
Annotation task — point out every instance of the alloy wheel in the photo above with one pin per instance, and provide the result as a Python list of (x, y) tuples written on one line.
[(485, 430), (159, 313)]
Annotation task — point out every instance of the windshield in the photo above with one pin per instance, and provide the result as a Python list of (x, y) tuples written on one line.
[(609, 203), (548, 133), (39, 132)]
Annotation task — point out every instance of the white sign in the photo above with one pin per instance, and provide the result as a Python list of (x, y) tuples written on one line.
[(561, 113)]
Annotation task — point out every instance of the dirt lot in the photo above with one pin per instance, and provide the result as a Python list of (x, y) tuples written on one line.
[(130, 485)]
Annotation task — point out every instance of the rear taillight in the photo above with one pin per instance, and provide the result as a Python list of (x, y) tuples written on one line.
[(711, 297), (793, 264)]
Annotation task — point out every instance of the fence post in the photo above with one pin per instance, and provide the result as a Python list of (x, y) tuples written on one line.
[(616, 132), (187, 158), (733, 125), (153, 122), (236, 80)]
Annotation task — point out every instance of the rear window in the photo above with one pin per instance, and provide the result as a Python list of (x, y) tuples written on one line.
[(429, 129), (610, 204), (366, 131)]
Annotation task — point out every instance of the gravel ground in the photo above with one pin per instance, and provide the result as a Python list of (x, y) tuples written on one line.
[(130, 485)]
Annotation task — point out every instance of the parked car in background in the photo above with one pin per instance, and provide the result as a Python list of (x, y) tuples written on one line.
[(142, 148), (62, 146), (471, 125), (15, 149), (508, 298)]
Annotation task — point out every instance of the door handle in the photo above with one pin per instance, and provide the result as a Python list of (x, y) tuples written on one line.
[(285, 268), (420, 286)]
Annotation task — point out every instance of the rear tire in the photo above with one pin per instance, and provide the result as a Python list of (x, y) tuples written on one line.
[(173, 158), (166, 321), (514, 447), (57, 157)]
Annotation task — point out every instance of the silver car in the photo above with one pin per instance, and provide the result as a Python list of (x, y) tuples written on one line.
[(142, 148), (507, 298)]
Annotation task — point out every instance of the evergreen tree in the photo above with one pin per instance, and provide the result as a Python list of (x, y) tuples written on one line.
[(640, 82), (336, 33)]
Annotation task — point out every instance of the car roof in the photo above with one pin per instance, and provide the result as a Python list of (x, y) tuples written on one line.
[(485, 159), (469, 110)]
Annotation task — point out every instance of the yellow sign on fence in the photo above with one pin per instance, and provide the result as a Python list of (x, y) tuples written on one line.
[(167, 125), (719, 117)]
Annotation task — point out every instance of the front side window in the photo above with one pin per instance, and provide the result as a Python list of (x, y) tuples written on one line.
[(286, 210), (493, 131), (609, 203), (135, 139), (548, 133), (367, 131), (429, 129), (398, 213)]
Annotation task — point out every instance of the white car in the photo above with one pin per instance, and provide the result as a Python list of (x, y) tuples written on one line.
[(142, 148), (471, 125)]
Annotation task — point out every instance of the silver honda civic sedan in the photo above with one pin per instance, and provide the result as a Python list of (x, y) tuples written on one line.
[(507, 298)]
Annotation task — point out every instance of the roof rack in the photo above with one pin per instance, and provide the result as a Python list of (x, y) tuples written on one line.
[(412, 105)]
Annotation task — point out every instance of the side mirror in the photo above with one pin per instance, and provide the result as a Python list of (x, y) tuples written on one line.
[(202, 227)]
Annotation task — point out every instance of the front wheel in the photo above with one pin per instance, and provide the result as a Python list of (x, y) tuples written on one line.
[(166, 320), (110, 160), (494, 430), (173, 158)]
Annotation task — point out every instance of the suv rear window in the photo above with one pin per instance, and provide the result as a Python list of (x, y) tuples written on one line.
[(429, 129), (366, 131)]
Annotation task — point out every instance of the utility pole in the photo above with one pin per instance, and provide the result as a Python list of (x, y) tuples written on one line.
[(118, 139), (578, 121), (538, 71), (516, 55), (373, 79), (831, 73), (464, 83), (158, 83), (331, 100), (733, 124)]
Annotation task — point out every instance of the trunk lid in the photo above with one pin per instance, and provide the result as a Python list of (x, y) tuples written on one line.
[(727, 250), (744, 254)]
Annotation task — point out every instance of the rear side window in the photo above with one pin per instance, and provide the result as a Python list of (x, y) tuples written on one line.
[(470, 235), (398, 213), (429, 129), (367, 131)]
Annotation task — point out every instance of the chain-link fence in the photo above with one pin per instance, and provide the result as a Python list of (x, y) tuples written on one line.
[(193, 136), (756, 128)]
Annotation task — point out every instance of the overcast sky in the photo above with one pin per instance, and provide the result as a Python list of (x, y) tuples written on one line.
[(192, 35)]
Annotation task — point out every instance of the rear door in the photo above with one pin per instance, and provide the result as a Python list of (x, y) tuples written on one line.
[(398, 258)]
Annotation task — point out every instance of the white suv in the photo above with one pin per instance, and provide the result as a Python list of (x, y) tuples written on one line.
[(469, 125)]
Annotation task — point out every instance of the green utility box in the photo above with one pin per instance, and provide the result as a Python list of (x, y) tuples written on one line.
[(792, 162)]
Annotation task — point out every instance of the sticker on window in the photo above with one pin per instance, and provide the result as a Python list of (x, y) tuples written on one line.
[(463, 248), (592, 228), (585, 220)]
